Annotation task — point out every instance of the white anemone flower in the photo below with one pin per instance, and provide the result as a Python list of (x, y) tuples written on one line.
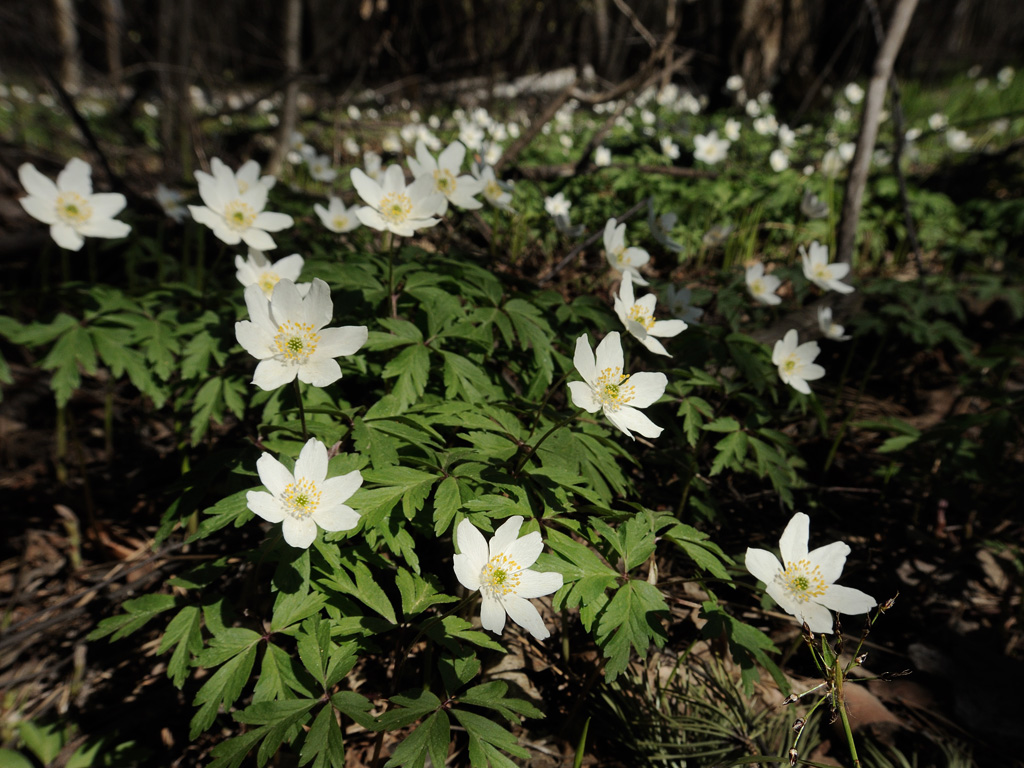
[(557, 205), (679, 304), (803, 584), (854, 93), (796, 363), (669, 148), (710, 149), (320, 168), (620, 257), (170, 201), (606, 387), (444, 173), (70, 207), (393, 206), (257, 269), (778, 160), (372, 165), (832, 163), (638, 317), (236, 214), (497, 193), (829, 329), (761, 286), (305, 499), (826, 276), (288, 337), (501, 571), (602, 156), (732, 129), (336, 217)]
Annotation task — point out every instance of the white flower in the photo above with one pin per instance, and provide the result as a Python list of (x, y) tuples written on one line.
[(803, 584), (678, 301), (393, 206), (620, 257), (734, 83), (787, 136), (70, 207), (761, 286), (958, 140), (501, 571), (830, 330), (842, 115), (444, 175), (752, 108), (661, 228), (235, 215), (353, 112), (472, 135), (320, 168), (778, 160), (938, 121), (710, 149), (1004, 77), (606, 387), (336, 217), (372, 165), (288, 337), (170, 201), (832, 163), (557, 205), (669, 148), (602, 157), (305, 499), (246, 176), (497, 193), (847, 150), (492, 153), (732, 129), (350, 145), (767, 125), (854, 93), (796, 363), (391, 143), (638, 317), (258, 270), (824, 275)]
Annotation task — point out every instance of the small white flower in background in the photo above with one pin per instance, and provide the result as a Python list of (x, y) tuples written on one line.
[(828, 328), (826, 276), (812, 206), (497, 193), (669, 148), (832, 163), (492, 153), (761, 286), (299, 150), (566, 141), (306, 499), (472, 136), (661, 228), (938, 121), (958, 140), (717, 235), (170, 201), (621, 258), (353, 112), (647, 117), (557, 205), (678, 302), (764, 98), (606, 387), (501, 571), (257, 269), (602, 157), (842, 115), (981, 84), (1000, 126), (767, 125), (734, 83), (752, 108), (796, 363), (320, 168), (803, 584), (372, 165), (710, 149), (443, 173), (393, 206), (787, 136), (847, 150), (808, 170), (288, 337), (336, 217), (391, 143), (1004, 77), (638, 317), (881, 156), (499, 132), (73, 211), (778, 160), (854, 93), (732, 129), (236, 215), (974, 71)]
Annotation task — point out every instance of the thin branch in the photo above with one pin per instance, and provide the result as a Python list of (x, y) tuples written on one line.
[(637, 24)]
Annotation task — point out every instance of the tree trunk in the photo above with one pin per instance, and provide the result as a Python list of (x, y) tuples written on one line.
[(292, 65), (869, 127), (113, 29), (67, 35)]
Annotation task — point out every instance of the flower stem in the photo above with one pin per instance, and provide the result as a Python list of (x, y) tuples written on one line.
[(531, 450), (302, 411), (838, 672), (392, 299), (547, 396)]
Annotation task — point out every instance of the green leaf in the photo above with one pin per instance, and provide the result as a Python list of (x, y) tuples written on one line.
[(324, 743), (138, 612), (184, 635), (447, 501), (731, 451), (410, 485), (430, 738), (357, 707), (73, 349), (492, 696), (413, 705), (277, 678), (44, 741), (632, 620), (231, 509), (749, 646), (411, 368), (417, 593), (11, 759), (222, 689), (466, 380), (587, 577), (484, 732), (722, 424), (706, 554)]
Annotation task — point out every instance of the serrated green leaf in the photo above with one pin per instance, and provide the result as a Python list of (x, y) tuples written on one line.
[(482, 729), (138, 611), (324, 742), (430, 738), (732, 449), (184, 635), (231, 509), (632, 621), (418, 594), (222, 689)]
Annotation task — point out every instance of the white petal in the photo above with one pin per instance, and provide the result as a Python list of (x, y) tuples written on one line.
[(583, 396), (525, 551), (667, 328), (630, 419), (648, 387), (473, 547), (367, 188), (290, 267), (817, 617), (337, 490), (452, 157), (264, 505), (273, 222), (505, 535), (847, 600), (40, 209), (653, 345), (339, 342), (466, 572), (271, 374), (318, 307), (609, 352), (286, 304), (104, 228), (762, 564), (492, 614), (254, 341), (254, 238), (76, 177), (66, 237), (273, 474), (525, 614), (338, 518), (584, 361), (312, 462), (830, 559), (799, 385), (538, 584), (793, 543), (106, 205), (320, 372), (299, 533), (36, 184)]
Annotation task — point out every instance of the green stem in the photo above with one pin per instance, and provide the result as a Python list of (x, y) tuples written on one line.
[(392, 299), (531, 450), (61, 439), (302, 411), (841, 703), (547, 396)]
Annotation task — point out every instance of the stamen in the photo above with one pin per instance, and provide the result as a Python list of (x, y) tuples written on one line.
[(239, 215), (638, 314), (500, 576), (295, 342), (301, 499), (612, 390), (445, 181), (72, 208), (395, 207), (802, 582)]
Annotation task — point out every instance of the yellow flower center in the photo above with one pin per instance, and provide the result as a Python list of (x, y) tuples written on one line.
[(340, 222), (619, 253), (757, 287), (500, 576), (612, 390), (801, 581), (243, 186), (267, 281), (638, 314), (395, 207), (301, 499), (789, 364), (445, 181), (72, 208), (821, 271), (492, 191), (296, 341), (239, 215)]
